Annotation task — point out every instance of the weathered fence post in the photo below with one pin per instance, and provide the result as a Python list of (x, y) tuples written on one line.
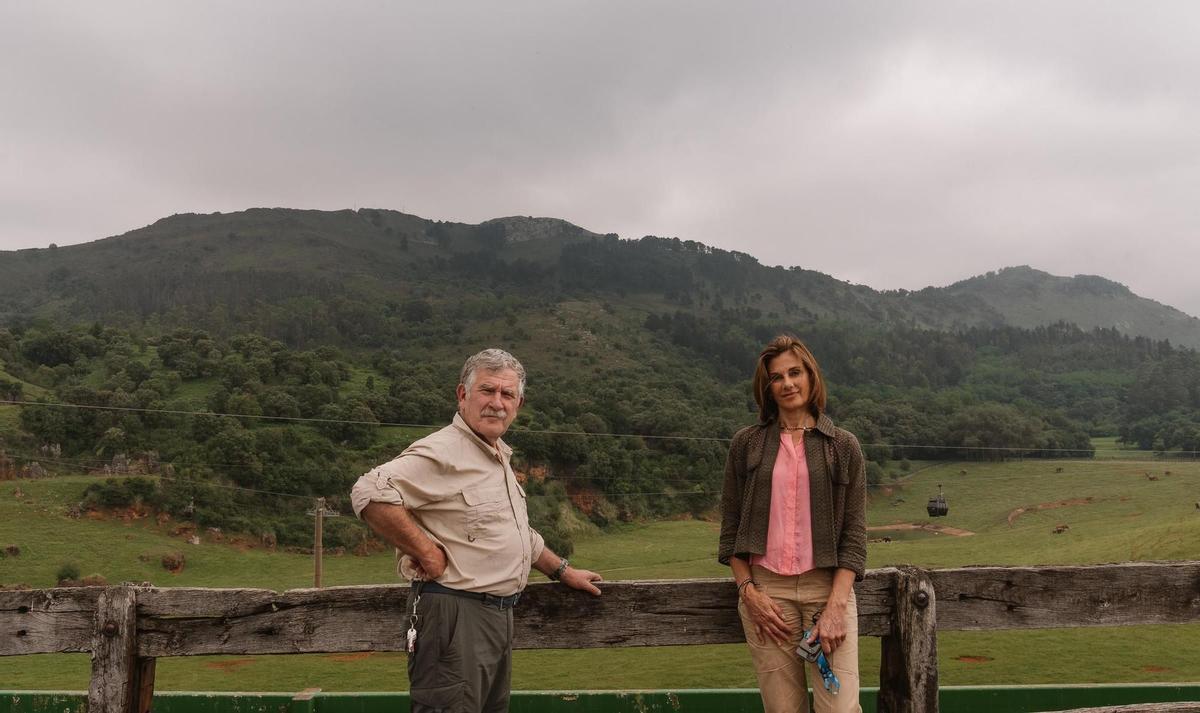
[(121, 682), (908, 678)]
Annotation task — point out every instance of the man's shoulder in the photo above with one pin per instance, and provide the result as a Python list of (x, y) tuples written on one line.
[(437, 443)]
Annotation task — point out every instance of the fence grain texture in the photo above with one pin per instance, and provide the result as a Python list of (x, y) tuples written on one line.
[(126, 628)]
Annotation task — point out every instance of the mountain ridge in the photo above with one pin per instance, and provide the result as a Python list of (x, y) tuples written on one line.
[(273, 255)]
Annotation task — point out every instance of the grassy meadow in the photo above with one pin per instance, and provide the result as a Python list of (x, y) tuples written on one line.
[(1113, 509)]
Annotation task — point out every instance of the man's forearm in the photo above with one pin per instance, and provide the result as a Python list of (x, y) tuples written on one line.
[(547, 562), (394, 524)]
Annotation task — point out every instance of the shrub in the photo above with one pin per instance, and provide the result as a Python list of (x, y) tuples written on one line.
[(117, 494), (68, 572)]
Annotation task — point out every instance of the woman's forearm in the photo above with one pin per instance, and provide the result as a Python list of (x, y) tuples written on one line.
[(741, 570), (843, 584)]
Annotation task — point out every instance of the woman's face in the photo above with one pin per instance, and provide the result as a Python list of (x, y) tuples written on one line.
[(790, 384)]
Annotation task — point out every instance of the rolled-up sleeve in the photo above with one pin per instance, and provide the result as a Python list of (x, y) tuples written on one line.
[(373, 487), (404, 480), (536, 544)]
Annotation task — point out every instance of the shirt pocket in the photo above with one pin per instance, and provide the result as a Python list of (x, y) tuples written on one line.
[(487, 511)]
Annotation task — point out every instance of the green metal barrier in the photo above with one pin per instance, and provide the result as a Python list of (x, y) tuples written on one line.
[(952, 699)]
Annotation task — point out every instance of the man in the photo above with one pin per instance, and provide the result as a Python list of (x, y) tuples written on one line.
[(454, 511)]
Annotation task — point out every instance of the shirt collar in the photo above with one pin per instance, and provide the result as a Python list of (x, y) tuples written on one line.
[(461, 425), (824, 424)]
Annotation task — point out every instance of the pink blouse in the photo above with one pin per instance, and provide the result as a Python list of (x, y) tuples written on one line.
[(789, 531)]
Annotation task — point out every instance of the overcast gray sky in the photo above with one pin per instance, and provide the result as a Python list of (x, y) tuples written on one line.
[(893, 144)]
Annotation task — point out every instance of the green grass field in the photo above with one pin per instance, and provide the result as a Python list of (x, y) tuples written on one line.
[(1113, 510)]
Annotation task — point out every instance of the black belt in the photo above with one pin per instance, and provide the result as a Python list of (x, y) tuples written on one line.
[(489, 600)]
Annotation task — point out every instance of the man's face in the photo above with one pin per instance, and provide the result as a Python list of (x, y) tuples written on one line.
[(491, 404)]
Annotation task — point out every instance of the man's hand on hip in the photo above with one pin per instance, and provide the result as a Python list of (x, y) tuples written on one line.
[(431, 564)]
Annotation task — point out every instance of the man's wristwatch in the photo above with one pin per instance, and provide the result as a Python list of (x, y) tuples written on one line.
[(562, 566)]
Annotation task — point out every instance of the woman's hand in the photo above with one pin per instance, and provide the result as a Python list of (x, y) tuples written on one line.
[(831, 628), (766, 615)]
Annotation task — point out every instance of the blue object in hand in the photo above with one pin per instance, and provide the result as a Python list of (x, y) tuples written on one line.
[(811, 651)]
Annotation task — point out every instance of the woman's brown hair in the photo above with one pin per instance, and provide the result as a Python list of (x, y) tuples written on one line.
[(767, 408)]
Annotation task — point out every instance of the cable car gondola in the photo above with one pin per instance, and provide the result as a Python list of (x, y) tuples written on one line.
[(938, 507)]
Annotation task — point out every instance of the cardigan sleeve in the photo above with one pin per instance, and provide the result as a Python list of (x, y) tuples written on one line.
[(852, 541), (731, 496)]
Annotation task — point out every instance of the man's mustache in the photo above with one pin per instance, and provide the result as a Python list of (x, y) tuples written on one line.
[(503, 413)]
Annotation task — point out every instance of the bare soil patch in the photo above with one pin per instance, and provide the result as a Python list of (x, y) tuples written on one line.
[(928, 527), (348, 658), (973, 659), (1012, 516)]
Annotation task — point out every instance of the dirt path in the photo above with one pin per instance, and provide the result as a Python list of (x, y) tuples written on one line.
[(929, 527), (1012, 516)]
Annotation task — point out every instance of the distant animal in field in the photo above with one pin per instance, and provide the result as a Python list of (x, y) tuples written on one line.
[(1151, 476), (1060, 529), (1058, 470)]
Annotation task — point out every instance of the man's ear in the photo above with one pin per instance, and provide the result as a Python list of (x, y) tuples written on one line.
[(521, 402), (461, 392)]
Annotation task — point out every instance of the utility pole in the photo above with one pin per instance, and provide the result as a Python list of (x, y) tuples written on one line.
[(321, 512)]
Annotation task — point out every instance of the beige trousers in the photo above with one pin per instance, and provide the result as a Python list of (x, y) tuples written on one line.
[(781, 672)]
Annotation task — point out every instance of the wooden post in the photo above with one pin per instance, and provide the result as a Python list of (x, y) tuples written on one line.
[(318, 548), (121, 682), (144, 692), (908, 674)]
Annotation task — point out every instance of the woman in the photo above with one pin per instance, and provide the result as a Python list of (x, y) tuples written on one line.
[(793, 530)]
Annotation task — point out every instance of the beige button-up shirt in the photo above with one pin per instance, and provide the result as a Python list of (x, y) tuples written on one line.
[(463, 494)]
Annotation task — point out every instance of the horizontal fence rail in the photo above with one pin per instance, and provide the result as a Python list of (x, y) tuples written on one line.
[(126, 627)]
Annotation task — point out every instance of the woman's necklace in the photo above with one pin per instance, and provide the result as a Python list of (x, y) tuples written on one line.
[(784, 427)]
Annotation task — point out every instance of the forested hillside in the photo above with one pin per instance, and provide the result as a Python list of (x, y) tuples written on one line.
[(251, 357)]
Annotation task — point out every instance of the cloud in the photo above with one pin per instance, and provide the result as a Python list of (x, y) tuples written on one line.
[(897, 145)]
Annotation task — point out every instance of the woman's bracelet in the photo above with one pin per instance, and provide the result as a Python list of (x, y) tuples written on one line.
[(749, 580)]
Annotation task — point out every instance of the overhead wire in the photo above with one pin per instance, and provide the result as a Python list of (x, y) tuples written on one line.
[(556, 432)]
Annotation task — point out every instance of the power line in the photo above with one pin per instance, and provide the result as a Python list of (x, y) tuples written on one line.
[(350, 422), (206, 483), (553, 432), (192, 481), (98, 464)]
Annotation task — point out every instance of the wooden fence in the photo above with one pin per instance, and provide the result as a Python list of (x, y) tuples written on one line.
[(127, 627)]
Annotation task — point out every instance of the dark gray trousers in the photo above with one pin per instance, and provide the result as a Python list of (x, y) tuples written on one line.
[(463, 658)]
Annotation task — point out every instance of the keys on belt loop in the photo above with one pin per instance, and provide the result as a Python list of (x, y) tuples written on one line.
[(411, 636)]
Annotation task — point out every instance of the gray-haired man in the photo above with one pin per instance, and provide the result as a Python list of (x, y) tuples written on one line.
[(454, 511)]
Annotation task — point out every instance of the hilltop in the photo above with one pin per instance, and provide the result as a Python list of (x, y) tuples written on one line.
[(182, 268), (1029, 298)]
